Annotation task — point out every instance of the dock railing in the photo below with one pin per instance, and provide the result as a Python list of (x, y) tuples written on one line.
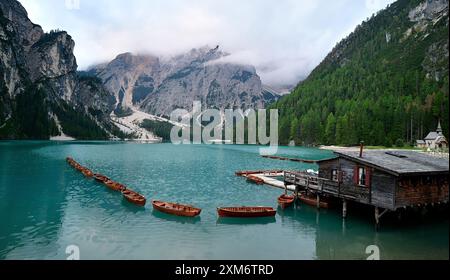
[(312, 182)]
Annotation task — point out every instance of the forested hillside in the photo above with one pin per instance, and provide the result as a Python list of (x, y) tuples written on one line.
[(386, 83)]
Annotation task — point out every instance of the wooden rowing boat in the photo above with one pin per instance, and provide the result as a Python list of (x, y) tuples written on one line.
[(254, 179), (79, 168), (246, 212), (134, 197), (312, 201), (286, 201), (100, 178), (115, 186), (176, 209), (88, 173), (246, 173)]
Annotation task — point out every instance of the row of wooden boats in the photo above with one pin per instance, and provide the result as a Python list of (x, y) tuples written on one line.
[(128, 194), (85, 171), (177, 209), (168, 207)]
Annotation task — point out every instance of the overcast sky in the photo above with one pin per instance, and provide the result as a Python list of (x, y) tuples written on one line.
[(284, 39)]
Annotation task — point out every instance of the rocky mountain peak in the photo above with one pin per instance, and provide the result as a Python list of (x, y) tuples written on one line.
[(41, 94), (27, 32), (160, 85), (428, 10), (130, 60), (52, 56)]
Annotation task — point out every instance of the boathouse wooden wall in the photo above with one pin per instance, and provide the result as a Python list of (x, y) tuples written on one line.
[(383, 189), (326, 168), (421, 190), (380, 193)]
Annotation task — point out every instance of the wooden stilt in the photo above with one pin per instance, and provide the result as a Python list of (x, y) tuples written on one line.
[(318, 201), (344, 209), (296, 195), (377, 218)]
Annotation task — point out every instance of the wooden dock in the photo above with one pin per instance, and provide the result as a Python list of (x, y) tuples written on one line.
[(309, 161), (271, 180)]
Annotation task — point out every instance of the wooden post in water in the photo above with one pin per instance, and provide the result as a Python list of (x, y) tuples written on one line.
[(344, 209), (377, 218), (297, 200), (318, 201)]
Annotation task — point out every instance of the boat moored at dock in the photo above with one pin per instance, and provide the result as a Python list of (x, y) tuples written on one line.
[(286, 201), (257, 172), (256, 180), (246, 212), (312, 201)]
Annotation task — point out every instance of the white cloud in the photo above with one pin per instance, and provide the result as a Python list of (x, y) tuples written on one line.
[(284, 39)]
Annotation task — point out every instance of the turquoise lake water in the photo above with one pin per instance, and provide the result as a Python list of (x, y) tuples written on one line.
[(46, 206)]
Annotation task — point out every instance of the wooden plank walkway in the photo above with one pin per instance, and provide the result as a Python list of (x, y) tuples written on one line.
[(271, 180)]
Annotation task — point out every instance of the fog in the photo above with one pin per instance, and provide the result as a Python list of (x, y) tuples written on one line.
[(283, 39)]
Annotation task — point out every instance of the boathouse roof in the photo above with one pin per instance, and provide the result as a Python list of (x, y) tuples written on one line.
[(400, 163)]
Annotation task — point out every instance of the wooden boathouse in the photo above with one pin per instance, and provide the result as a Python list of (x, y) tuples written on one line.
[(386, 180)]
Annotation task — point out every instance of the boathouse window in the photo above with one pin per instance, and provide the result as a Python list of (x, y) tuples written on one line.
[(335, 175), (361, 176)]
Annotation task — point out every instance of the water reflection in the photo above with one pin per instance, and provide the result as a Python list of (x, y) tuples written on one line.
[(172, 218), (244, 221), (338, 238), (27, 231), (130, 207)]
